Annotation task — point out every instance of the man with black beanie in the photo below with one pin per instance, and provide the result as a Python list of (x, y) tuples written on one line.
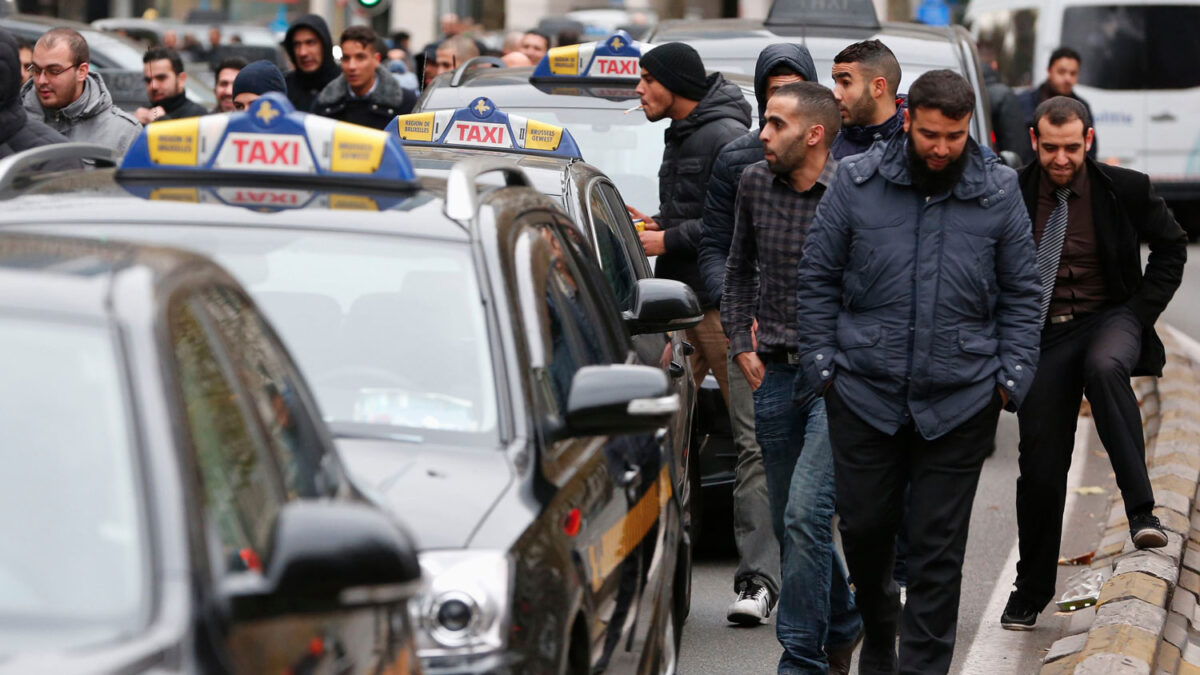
[(255, 80), (310, 46), (706, 112)]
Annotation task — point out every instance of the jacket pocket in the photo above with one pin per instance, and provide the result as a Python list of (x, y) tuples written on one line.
[(968, 358), (690, 165), (860, 349), (973, 343)]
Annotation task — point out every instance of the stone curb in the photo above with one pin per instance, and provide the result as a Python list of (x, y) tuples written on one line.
[(1147, 620)]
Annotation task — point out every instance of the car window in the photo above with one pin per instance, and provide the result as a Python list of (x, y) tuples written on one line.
[(275, 393), (241, 492), (1011, 36), (624, 229), (614, 258), (568, 336), (1135, 47), (73, 562)]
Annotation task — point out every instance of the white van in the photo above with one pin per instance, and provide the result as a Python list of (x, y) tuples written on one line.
[(1140, 74)]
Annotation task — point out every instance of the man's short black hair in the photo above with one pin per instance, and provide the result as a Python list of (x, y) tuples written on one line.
[(161, 53), (540, 34), (1064, 52), (943, 90), (22, 43), (816, 105), (363, 35), (877, 61), (235, 62), (399, 36), (1059, 110)]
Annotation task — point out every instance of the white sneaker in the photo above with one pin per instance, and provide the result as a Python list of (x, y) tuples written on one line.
[(753, 605)]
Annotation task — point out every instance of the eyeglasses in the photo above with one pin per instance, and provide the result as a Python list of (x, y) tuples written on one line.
[(53, 71)]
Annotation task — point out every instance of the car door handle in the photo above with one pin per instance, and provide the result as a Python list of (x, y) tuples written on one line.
[(688, 349), (675, 369), (1164, 116)]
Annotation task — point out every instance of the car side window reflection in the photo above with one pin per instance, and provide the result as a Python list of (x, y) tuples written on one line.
[(274, 394), (240, 492), (614, 259)]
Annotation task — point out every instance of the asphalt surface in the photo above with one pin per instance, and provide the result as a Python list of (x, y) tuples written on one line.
[(713, 647)]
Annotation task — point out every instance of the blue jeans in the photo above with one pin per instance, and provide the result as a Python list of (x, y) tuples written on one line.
[(816, 607)]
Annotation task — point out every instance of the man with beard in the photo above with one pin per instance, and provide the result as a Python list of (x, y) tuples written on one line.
[(918, 296), (817, 625), (1098, 312), (166, 87), (706, 112), (756, 580), (310, 47), (866, 76)]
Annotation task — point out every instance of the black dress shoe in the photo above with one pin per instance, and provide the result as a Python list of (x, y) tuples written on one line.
[(1019, 613)]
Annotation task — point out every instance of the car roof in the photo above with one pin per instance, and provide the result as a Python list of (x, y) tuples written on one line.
[(546, 172), (511, 88), (728, 39), (73, 276), (100, 197)]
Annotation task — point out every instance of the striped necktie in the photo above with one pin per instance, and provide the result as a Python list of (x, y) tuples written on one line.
[(1050, 250)]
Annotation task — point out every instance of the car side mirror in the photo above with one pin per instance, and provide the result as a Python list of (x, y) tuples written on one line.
[(1011, 159), (661, 305), (619, 399), (327, 556)]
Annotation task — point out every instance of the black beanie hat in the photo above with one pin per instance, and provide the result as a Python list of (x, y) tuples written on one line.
[(679, 68), (259, 78)]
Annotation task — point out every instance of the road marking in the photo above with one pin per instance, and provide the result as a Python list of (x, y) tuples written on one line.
[(994, 648)]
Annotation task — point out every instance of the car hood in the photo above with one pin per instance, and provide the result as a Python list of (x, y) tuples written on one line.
[(440, 492)]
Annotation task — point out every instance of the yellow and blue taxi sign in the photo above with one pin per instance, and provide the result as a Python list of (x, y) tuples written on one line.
[(482, 125), (614, 59), (268, 138)]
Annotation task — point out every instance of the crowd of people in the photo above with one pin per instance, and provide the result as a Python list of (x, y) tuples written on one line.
[(50, 94), (878, 286)]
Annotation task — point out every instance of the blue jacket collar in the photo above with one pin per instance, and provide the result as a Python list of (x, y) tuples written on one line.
[(891, 160)]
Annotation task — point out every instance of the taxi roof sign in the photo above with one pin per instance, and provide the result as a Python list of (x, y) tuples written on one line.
[(614, 58), (268, 139), (482, 125)]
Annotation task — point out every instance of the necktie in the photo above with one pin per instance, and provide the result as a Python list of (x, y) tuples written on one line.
[(1050, 250)]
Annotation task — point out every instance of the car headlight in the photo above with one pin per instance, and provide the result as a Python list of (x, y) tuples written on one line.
[(463, 608)]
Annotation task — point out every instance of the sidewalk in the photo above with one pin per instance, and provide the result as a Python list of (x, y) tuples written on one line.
[(1147, 620)]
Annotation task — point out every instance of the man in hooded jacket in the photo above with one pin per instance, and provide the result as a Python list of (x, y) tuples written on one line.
[(758, 548), (310, 46), (17, 132)]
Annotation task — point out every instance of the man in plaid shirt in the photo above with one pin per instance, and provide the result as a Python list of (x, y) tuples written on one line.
[(817, 623)]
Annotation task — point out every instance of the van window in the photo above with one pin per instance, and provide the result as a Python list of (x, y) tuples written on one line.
[(1009, 36), (1135, 47)]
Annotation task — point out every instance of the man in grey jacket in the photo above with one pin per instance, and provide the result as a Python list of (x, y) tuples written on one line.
[(919, 299), (69, 98)]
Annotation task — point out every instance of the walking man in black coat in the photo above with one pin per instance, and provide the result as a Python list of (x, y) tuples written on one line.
[(1098, 311)]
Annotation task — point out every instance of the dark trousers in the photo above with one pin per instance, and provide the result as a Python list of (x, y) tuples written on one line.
[(1093, 356), (871, 471)]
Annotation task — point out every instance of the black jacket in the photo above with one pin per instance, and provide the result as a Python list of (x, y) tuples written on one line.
[(857, 140), (1030, 99), (303, 88), (691, 147), (1126, 211), (716, 231), (1008, 118), (178, 107), (376, 109), (17, 131)]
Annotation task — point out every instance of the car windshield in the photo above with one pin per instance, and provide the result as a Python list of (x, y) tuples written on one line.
[(627, 148), (389, 332), (1135, 47), (72, 568)]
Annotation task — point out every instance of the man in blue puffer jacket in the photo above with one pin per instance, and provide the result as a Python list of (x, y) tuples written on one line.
[(919, 304), (756, 580)]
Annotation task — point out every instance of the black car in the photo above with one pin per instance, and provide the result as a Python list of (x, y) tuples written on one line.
[(593, 202), (173, 502), (468, 356)]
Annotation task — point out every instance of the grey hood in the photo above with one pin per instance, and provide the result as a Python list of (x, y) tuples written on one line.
[(91, 118)]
